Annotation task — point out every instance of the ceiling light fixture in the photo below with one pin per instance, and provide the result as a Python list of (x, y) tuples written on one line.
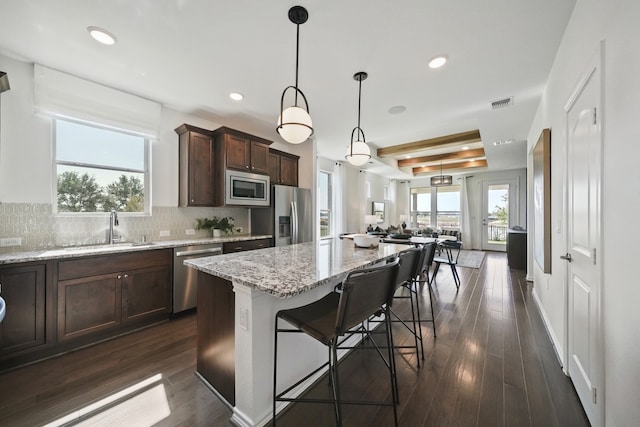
[(441, 180), (358, 152), (236, 96), (101, 35), (438, 61), (294, 123)]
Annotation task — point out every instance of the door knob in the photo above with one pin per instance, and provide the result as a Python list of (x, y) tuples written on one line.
[(566, 257)]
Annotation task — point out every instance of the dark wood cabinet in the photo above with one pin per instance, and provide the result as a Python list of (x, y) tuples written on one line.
[(145, 293), (102, 295), (215, 359), (241, 151), (24, 291), (283, 168), (517, 249), (89, 305), (245, 245), (196, 166)]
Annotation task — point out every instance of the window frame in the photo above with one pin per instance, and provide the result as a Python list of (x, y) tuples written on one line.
[(330, 196), (433, 213), (147, 190)]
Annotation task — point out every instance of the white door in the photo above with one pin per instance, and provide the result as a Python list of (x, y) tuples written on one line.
[(499, 212), (584, 154)]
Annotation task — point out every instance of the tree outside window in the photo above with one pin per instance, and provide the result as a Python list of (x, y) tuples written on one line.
[(99, 170)]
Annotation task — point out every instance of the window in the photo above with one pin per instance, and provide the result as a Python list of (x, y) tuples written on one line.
[(421, 207), (448, 204), (435, 207), (100, 169), (325, 195)]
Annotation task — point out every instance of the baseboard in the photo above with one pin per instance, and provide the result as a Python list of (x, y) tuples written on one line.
[(552, 336)]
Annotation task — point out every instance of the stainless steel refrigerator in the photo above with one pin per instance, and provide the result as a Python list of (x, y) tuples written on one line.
[(289, 219)]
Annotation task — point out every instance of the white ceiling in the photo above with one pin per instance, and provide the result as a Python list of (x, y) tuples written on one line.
[(189, 54)]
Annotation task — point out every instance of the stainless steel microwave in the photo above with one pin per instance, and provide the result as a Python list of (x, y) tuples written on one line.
[(246, 189)]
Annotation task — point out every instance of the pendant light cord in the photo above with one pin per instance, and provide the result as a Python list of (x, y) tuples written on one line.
[(359, 97), (297, 53)]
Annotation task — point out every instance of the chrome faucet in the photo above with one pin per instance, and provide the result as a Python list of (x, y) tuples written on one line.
[(113, 220)]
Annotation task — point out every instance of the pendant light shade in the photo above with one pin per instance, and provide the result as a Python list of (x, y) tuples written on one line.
[(358, 152), (294, 122), (441, 180)]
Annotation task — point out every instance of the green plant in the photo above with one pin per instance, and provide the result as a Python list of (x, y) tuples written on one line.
[(223, 224)]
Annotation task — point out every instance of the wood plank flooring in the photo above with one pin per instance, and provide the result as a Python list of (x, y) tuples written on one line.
[(491, 364)]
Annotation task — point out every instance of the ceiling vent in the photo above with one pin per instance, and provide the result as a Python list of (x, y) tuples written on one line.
[(501, 103)]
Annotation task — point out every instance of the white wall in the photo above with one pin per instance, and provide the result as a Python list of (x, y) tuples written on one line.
[(617, 22)]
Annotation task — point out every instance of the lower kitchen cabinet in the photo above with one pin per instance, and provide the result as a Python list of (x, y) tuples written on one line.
[(145, 293), (112, 293), (88, 305), (23, 289)]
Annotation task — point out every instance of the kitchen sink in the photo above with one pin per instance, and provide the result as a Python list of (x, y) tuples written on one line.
[(106, 246)]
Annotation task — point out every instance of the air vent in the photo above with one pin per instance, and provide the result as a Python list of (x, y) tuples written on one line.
[(501, 103)]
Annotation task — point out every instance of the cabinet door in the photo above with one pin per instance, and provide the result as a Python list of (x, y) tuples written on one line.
[(145, 293), (200, 170), (246, 245), (273, 167), (259, 156), (88, 305), (238, 152), (23, 289), (288, 171)]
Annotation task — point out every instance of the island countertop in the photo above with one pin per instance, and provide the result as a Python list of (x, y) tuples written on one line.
[(286, 271)]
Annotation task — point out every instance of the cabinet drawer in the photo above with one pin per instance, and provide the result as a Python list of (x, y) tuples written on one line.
[(113, 263), (245, 245)]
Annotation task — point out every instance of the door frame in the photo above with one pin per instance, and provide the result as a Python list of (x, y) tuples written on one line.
[(514, 208), (596, 63)]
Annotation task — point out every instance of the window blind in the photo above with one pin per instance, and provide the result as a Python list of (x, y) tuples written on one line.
[(64, 95)]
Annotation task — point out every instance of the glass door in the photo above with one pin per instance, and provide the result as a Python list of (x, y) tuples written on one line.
[(499, 208)]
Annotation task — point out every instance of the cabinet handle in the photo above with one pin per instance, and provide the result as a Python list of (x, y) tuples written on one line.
[(119, 276), (0, 288), (126, 275)]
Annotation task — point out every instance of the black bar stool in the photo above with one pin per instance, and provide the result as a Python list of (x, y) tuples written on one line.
[(449, 256), (364, 293)]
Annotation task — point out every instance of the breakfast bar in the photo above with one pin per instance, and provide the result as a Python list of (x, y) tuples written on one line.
[(238, 297)]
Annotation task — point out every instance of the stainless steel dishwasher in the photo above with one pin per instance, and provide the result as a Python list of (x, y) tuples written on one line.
[(185, 279)]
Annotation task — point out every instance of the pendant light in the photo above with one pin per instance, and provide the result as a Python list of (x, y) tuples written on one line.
[(441, 180), (294, 123), (358, 152)]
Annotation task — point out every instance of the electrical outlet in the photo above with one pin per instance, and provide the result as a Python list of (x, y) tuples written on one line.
[(190, 231), (165, 233), (238, 229), (11, 241)]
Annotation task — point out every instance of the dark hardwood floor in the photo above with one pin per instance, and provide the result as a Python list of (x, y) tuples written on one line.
[(491, 364)]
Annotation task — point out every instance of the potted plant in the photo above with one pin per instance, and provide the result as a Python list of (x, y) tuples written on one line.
[(218, 225)]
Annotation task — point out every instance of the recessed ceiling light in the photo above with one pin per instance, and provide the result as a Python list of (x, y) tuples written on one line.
[(465, 148), (408, 156), (236, 96), (438, 61), (398, 109), (101, 35)]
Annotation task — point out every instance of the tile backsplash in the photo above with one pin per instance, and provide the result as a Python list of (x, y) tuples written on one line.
[(39, 228)]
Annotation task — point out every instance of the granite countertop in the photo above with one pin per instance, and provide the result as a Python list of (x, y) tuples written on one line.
[(286, 271), (79, 251)]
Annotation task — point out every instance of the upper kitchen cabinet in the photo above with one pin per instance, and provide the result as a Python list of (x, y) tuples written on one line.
[(283, 168), (241, 151), (196, 170)]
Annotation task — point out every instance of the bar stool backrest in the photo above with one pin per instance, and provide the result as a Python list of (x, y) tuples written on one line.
[(429, 251), (409, 260), (364, 292)]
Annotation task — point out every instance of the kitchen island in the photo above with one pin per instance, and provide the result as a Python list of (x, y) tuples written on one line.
[(238, 297)]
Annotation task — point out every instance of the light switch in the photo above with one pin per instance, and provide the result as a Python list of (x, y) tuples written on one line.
[(244, 318)]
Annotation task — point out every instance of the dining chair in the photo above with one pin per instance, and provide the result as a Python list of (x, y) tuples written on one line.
[(450, 252), (364, 292)]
